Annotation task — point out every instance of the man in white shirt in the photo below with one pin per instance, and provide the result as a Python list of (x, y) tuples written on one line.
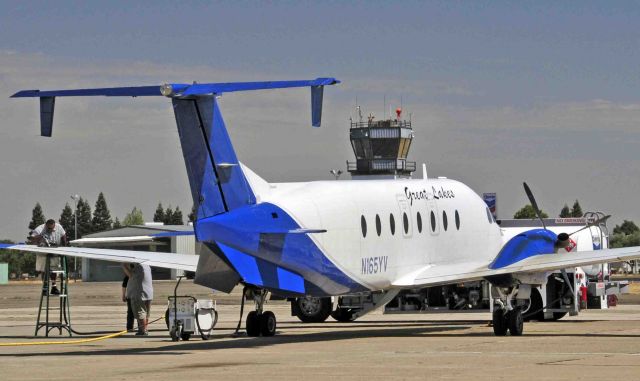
[(49, 234)]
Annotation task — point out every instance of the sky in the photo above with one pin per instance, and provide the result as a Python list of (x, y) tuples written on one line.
[(499, 93)]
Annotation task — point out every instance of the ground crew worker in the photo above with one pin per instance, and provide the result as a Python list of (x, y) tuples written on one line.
[(49, 234), (140, 294)]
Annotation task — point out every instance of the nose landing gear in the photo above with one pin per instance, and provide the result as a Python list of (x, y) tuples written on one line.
[(505, 316)]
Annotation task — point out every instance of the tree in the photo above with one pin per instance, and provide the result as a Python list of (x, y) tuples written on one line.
[(37, 217), (625, 235), (117, 224), (192, 215), (101, 216), (19, 262), (576, 211), (565, 212), (159, 214), (68, 222), (176, 218), (168, 216), (527, 212), (627, 227), (84, 218), (133, 218)]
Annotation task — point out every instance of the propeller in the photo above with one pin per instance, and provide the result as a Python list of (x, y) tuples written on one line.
[(594, 223), (534, 204), (562, 240)]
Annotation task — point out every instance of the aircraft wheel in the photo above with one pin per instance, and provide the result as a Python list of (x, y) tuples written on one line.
[(499, 323), (311, 309), (185, 336), (343, 315), (268, 323), (515, 322), (253, 324)]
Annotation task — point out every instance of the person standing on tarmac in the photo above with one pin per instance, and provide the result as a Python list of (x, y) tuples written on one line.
[(130, 317), (140, 294), (49, 234)]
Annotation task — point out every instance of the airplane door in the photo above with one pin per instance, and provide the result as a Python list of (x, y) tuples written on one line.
[(406, 223)]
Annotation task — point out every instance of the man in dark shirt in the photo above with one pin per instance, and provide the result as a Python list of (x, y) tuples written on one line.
[(130, 317)]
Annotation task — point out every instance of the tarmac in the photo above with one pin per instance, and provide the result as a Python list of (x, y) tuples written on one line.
[(598, 344)]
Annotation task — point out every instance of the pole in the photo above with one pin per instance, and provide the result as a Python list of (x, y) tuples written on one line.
[(75, 198)]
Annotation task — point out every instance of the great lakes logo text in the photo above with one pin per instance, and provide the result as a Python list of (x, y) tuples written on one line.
[(435, 194)]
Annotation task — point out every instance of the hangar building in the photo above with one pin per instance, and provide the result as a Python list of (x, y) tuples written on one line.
[(149, 237)]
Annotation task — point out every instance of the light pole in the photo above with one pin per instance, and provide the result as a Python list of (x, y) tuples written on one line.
[(75, 198), (336, 173)]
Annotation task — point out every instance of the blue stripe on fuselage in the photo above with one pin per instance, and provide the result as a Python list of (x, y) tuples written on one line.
[(243, 229)]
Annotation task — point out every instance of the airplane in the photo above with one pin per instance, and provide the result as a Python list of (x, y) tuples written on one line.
[(324, 239)]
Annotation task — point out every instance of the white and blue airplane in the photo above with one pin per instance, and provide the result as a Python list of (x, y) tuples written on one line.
[(324, 239)]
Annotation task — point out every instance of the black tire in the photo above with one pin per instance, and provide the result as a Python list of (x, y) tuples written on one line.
[(268, 323), (185, 336), (499, 323), (311, 309), (166, 318), (558, 315), (535, 311), (253, 324), (343, 315), (515, 322)]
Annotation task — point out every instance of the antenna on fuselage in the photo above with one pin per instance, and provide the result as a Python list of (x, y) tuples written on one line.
[(424, 171)]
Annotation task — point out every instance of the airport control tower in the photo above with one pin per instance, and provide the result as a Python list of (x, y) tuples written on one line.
[(381, 147)]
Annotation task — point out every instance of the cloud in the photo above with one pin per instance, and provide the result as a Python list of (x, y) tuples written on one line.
[(129, 148)]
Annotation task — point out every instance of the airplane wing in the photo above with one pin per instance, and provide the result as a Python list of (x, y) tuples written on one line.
[(188, 262), (450, 273)]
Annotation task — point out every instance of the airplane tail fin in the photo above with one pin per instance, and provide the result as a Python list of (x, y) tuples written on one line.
[(218, 182)]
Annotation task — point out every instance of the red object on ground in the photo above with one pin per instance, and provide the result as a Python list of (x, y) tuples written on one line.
[(583, 293)]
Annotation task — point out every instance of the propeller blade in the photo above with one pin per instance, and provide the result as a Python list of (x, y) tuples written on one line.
[(590, 224), (533, 202)]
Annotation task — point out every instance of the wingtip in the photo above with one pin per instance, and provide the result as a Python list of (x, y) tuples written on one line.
[(25, 93)]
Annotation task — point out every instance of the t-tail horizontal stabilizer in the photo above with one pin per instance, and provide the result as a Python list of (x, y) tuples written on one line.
[(175, 90)]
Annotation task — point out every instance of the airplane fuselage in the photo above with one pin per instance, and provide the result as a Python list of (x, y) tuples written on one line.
[(378, 231)]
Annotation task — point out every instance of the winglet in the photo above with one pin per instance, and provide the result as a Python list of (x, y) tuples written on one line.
[(47, 105)]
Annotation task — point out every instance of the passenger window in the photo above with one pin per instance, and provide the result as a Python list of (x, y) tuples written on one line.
[(457, 221), (419, 220), (445, 222), (378, 225), (405, 222), (392, 224), (363, 225), (433, 222)]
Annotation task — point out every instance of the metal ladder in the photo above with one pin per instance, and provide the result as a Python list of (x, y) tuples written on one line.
[(63, 321)]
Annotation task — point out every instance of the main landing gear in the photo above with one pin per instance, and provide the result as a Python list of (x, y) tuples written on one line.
[(506, 317), (260, 322)]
